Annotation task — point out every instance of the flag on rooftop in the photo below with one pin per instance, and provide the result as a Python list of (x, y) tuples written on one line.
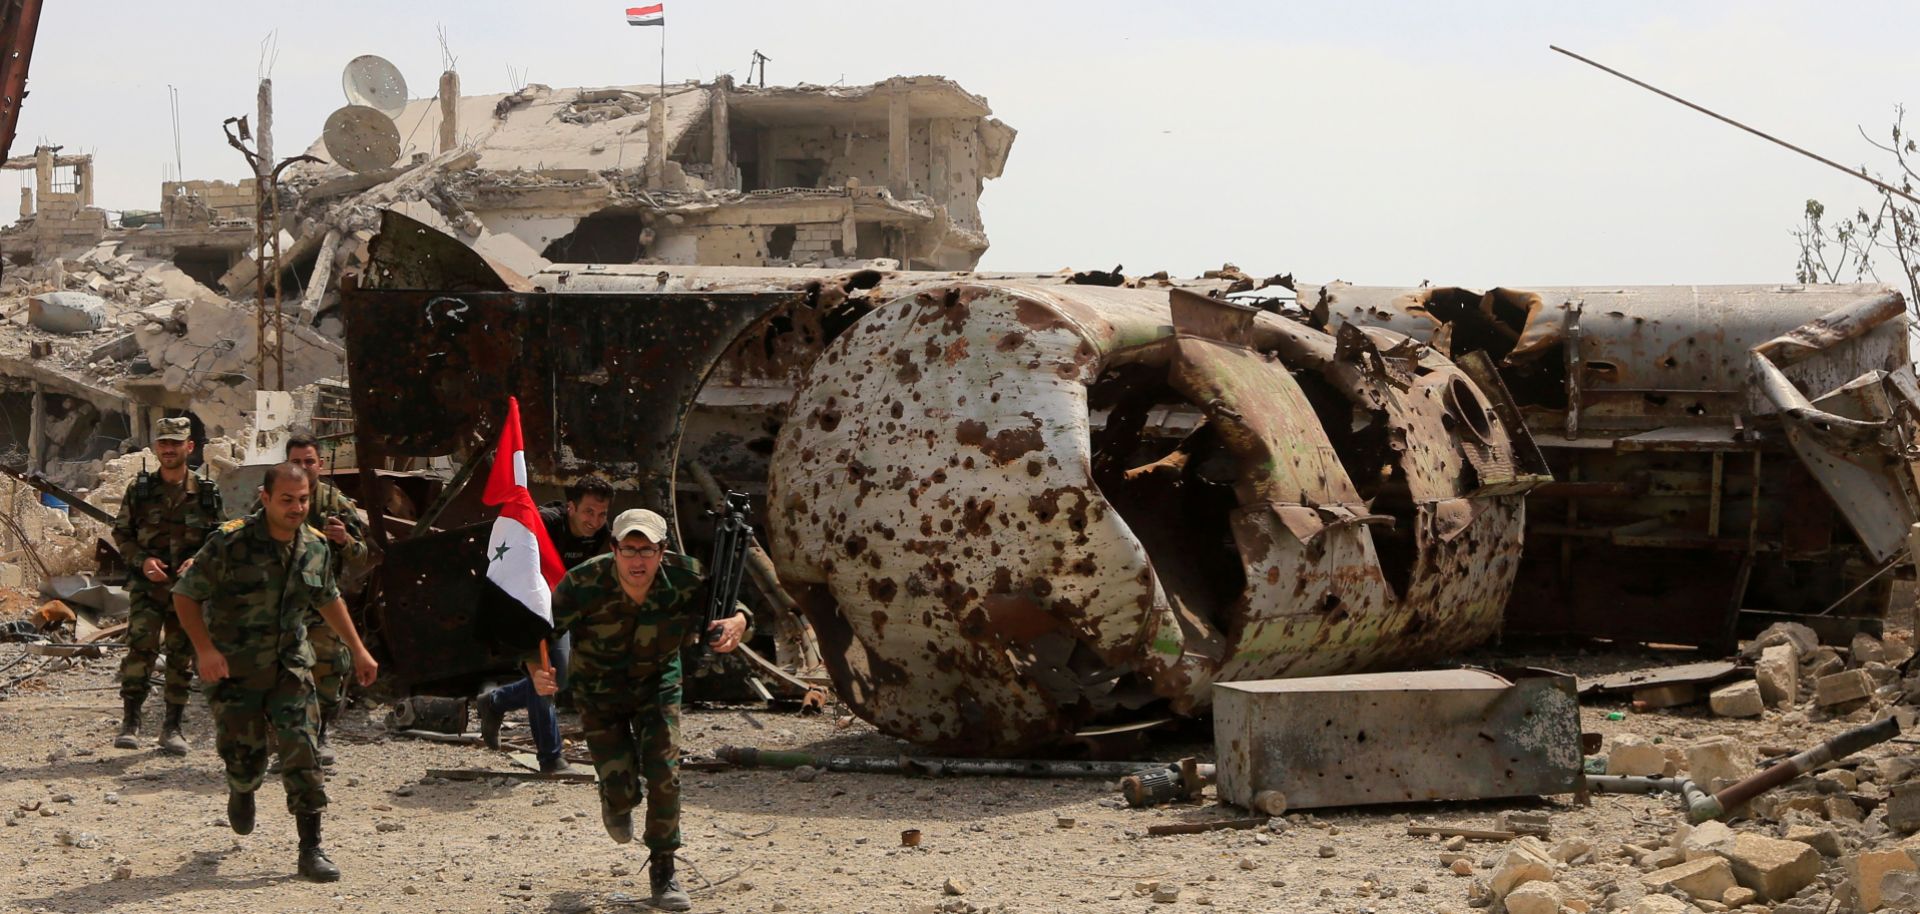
[(647, 15)]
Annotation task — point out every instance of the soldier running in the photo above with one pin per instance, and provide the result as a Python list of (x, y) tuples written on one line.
[(630, 611), (164, 517), (245, 603), (338, 518)]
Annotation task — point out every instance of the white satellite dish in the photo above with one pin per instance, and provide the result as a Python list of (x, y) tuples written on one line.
[(372, 81), (361, 139)]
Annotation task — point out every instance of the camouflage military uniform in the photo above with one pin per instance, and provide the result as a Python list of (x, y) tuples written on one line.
[(166, 522), (625, 677), (257, 594), (332, 662)]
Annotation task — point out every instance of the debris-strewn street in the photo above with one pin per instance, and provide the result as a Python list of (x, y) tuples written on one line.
[(91, 828)]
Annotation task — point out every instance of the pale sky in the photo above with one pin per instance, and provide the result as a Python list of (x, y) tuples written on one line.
[(1373, 142)]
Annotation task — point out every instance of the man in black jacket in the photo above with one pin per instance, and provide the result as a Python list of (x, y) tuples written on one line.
[(578, 529)]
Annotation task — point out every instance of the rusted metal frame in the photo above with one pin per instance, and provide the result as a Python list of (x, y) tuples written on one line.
[(423, 524), (1713, 501), (17, 32), (1574, 366), (43, 484)]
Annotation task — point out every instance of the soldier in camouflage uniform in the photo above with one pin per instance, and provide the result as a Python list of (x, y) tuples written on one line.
[(338, 518), (245, 603), (630, 611), (164, 517)]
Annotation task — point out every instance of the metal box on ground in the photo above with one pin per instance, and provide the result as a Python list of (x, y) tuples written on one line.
[(1397, 737)]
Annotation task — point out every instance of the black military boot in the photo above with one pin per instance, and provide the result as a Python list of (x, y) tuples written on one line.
[(239, 811), (667, 893), (129, 737), (170, 739), (314, 864), (490, 716)]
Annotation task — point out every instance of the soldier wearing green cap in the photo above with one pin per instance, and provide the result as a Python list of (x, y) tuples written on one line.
[(163, 519), (630, 611)]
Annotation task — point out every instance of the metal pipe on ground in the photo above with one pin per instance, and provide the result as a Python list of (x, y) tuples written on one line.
[(748, 757)]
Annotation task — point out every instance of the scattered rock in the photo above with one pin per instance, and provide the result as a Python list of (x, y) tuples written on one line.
[(123, 872), (1708, 877), (1774, 869), (1738, 896), (1570, 849), (1455, 843), (1661, 904), (1166, 894), (1842, 687), (1706, 840), (1867, 868), (1718, 759), (1778, 673), (1903, 808), (1900, 890), (1819, 837), (805, 773), (1867, 649), (1461, 867), (955, 886), (1326, 850), (1635, 755), (1535, 898), (1741, 699), (388, 825), (1525, 860)]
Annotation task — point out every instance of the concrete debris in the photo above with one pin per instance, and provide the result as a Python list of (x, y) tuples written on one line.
[(1778, 674), (1525, 860), (1707, 877), (1774, 869), (1536, 898), (1842, 687), (1742, 699), (1635, 755), (1903, 808), (1821, 838), (1661, 904), (67, 312), (1717, 761), (1867, 869)]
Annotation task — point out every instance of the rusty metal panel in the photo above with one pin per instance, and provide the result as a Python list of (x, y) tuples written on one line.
[(1397, 737), (991, 569), (424, 611)]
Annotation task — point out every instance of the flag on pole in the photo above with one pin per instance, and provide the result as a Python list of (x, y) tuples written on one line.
[(522, 565), (647, 15)]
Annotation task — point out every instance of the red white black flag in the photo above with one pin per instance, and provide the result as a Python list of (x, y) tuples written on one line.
[(522, 565), (647, 15)]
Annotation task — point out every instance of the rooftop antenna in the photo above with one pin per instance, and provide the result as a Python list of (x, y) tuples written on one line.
[(173, 98), (759, 62), (1721, 117)]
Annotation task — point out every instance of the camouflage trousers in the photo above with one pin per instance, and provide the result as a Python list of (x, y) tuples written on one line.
[(270, 710), (332, 668), (152, 628), (633, 737)]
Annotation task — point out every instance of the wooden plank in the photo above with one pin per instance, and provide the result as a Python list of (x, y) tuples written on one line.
[(1195, 828), (1471, 834), (481, 774)]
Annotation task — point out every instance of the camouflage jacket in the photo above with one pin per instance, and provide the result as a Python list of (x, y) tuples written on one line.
[(160, 521), (328, 501), (617, 643), (256, 593)]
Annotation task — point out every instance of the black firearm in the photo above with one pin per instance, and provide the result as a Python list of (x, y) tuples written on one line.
[(731, 537)]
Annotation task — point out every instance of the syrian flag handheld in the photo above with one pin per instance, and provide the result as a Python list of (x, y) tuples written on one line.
[(647, 15), (522, 565)]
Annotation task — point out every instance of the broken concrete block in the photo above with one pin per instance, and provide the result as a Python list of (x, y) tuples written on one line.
[(1671, 695), (1706, 840), (1525, 860), (1898, 647), (67, 312), (1662, 858), (1842, 687), (1822, 661), (1867, 649), (1634, 755), (1841, 808), (1741, 699), (1570, 850), (1719, 760), (1535, 898), (1894, 768), (1772, 868), (1738, 896), (1903, 807), (1819, 837), (1708, 877), (1792, 634), (1900, 890), (1661, 904), (1778, 673), (1867, 868), (1837, 780)]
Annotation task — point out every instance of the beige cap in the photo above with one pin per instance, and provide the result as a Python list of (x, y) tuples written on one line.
[(178, 428), (641, 521)]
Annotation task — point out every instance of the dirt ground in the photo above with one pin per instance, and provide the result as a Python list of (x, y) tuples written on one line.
[(134, 831)]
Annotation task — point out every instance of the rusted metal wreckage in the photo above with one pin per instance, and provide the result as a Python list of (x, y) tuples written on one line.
[(1014, 510)]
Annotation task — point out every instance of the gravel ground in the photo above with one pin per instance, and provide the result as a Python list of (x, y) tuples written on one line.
[(102, 829)]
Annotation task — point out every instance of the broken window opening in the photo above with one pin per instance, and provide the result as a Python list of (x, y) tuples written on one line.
[(207, 265), (608, 236), (799, 173), (1536, 379), (1175, 492), (780, 242)]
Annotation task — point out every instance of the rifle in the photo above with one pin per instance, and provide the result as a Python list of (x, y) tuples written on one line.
[(731, 537)]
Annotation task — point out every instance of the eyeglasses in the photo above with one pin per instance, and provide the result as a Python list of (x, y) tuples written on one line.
[(641, 552)]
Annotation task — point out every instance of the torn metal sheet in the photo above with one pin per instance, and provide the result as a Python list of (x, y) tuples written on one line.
[(995, 552), (1703, 673), (1397, 738)]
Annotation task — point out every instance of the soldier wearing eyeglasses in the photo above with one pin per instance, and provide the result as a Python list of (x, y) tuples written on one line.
[(630, 611)]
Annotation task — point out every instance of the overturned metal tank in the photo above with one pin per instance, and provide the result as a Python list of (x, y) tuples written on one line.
[(1014, 512)]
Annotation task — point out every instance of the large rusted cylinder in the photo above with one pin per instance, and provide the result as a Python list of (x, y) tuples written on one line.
[(1013, 512)]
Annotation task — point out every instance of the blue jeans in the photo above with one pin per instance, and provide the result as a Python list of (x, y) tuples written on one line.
[(540, 715)]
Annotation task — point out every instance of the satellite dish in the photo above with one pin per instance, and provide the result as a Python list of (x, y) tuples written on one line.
[(361, 139), (374, 82)]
